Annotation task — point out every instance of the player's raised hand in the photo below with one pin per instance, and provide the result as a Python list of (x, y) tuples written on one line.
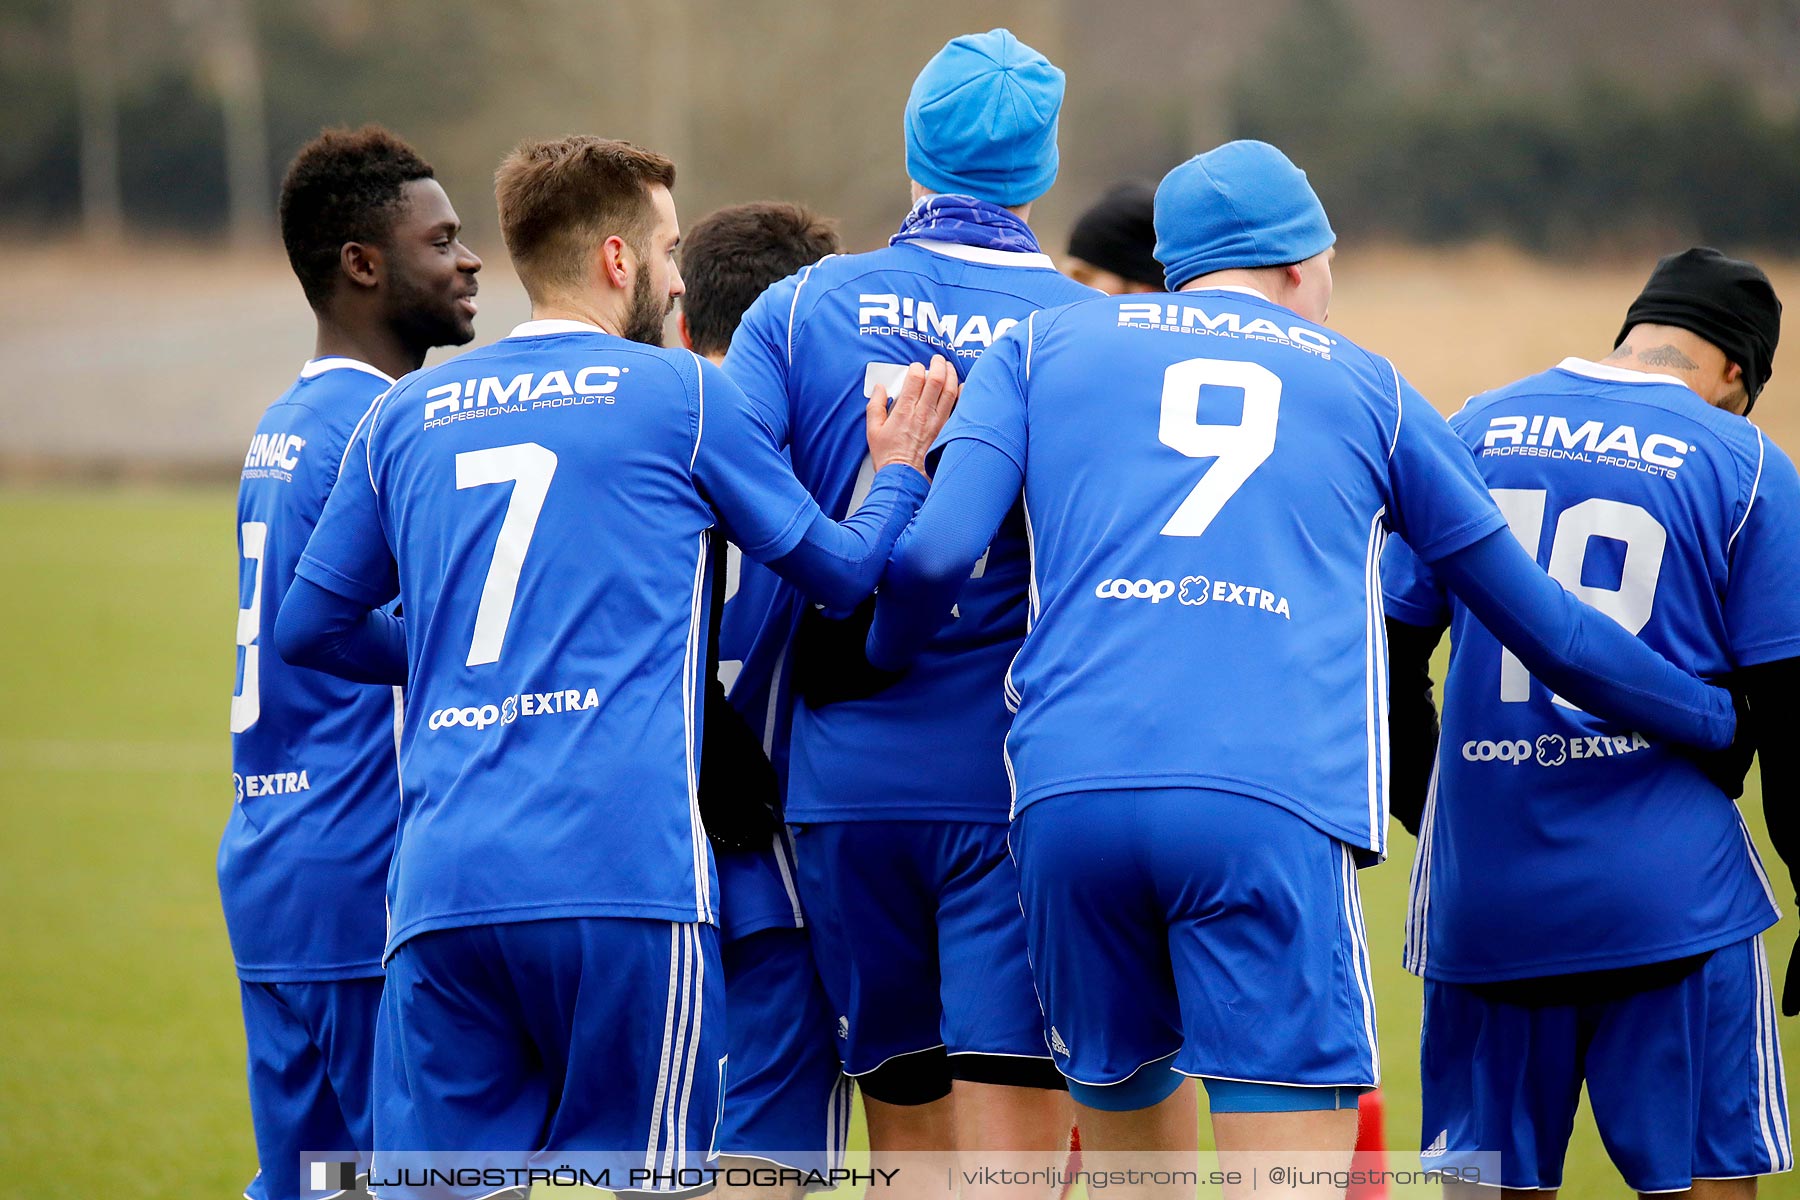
[(904, 432)]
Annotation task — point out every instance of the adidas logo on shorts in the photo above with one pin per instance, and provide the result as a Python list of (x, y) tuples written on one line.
[(1057, 1045), (1440, 1145)]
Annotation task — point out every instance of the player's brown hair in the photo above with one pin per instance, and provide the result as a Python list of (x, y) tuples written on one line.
[(730, 257), (559, 200)]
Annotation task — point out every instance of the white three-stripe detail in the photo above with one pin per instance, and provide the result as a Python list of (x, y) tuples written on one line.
[(654, 1138), (1376, 684), (1359, 958)]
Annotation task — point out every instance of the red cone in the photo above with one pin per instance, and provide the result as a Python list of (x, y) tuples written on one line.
[(1371, 1149)]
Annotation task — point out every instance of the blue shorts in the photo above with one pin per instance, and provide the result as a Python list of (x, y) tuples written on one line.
[(919, 939), (311, 1048), (504, 1045), (1685, 1080), (786, 1098), (1208, 932)]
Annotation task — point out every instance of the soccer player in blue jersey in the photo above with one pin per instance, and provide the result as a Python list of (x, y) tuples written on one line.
[(786, 1098), (1198, 756), (304, 858), (543, 508), (1586, 904), (898, 802)]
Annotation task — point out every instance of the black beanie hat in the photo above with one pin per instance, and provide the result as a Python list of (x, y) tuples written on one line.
[(1727, 301), (1118, 234)]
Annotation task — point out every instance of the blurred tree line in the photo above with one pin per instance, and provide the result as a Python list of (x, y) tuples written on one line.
[(1592, 163), (178, 115)]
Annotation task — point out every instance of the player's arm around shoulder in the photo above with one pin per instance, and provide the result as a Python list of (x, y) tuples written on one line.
[(740, 470)]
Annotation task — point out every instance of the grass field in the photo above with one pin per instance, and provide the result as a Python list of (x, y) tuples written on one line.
[(121, 1052)]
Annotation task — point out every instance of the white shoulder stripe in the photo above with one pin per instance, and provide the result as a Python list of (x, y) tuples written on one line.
[(1754, 484), (369, 442), (358, 428), (1399, 410), (700, 403), (794, 304)]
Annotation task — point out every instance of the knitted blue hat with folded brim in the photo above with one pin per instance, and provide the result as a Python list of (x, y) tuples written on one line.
[(981, 120), (1242, 204)]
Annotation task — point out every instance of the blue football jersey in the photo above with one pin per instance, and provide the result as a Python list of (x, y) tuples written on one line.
[(809, 353), (541, 507), (1208, 483), (303, 863), (1555, 842)]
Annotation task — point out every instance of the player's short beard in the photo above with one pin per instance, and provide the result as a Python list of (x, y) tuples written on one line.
[(423, 318), (644, 320)]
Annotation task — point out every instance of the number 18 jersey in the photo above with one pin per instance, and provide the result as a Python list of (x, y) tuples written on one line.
[(1208, 483), (1555, 842)]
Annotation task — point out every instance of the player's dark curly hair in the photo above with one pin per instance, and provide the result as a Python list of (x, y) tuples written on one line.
[(731, 257), (343, 186)]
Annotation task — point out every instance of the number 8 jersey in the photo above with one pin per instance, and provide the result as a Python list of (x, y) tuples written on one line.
[(1208, 482), (304, 857), (1554, 842)]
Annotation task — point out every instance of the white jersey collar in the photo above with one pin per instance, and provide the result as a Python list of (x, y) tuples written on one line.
[(1239, 288), (983, 254), (554, 326), (315, 367), (1594, 370)]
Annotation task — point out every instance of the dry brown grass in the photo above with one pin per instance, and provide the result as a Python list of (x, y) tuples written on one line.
[(1457, 322)]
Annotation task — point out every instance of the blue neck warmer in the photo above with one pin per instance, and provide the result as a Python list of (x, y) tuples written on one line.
[(947, 217)]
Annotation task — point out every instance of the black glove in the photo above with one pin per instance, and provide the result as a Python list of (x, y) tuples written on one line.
[(1412, 720), (830, 663), (1727, 768), (739, 791)]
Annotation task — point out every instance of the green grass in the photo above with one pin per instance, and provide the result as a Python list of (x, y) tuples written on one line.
[(121, 1048)]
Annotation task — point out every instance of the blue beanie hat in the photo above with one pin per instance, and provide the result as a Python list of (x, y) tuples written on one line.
[(1242, 204), (981, 120)]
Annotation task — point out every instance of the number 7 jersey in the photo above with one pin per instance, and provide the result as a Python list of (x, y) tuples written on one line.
[(1555, 842), (542, 507), (1208, 483)]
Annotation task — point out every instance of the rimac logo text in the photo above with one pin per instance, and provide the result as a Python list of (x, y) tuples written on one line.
[(888, 312), (1191, 318), (1554, 437), (492, 396)]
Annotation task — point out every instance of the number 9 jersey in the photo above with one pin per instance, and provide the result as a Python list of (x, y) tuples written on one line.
[(1209, 479), (1555, 842)]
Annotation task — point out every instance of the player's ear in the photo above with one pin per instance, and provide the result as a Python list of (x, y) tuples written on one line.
[(361, 262), (1734, 395), (687, 342), (615, 262)]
